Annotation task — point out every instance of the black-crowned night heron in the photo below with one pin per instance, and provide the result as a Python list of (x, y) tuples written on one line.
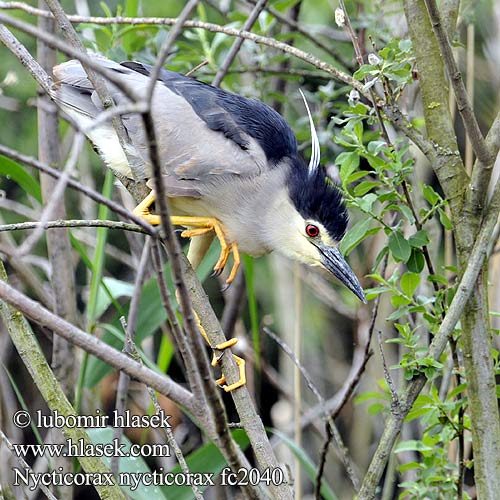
[(231, 169)]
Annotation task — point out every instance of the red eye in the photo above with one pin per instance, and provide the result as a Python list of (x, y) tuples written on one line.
[(312, 230)]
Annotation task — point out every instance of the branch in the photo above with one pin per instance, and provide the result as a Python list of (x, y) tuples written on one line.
[(162, 383), (394, 423), (55, 43), (235, 48), (34, 360), (463, 103), (481, 174), (222, 435), (214, 28), (110, 224), (62, 275), (299, 28), (94, 195), (98, 82)]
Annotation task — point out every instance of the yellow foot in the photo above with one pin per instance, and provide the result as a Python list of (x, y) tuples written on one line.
[(241, 382), (203, 225), (239, 361), (198, 227)]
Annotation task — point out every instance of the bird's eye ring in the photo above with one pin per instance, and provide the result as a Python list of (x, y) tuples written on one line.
[(312, 230)]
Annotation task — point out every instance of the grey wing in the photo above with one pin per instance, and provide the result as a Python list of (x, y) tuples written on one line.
[(191, 152)]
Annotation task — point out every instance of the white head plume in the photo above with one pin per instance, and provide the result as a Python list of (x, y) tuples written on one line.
[(315, 153)]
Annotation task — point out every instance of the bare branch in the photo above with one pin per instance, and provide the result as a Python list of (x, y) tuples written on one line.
[(128, 348), (110, 224), (89, 343), (94, 195), (235, 48), (463, 103), (215, 28)]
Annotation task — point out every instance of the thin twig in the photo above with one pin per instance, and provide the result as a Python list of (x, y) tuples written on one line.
[(89, 343), (124, 379), (54, 200), (94, 195), (185, 350), (166, 46), (222, 436), (228, 447), (24, 465), (98, 82), (173, 444), (110, 224), (235, 48), (344, 454), (387, 375), (54, 42), (295, 26), (215, 28)]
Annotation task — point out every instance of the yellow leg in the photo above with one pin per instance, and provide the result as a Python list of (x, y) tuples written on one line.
[(201, 225), (204, 225), (142, 210)]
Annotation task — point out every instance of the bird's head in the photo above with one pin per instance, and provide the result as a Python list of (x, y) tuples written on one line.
[(313, 219)]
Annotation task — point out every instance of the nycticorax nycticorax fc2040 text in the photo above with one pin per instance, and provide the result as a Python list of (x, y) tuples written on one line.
[(231, 169)]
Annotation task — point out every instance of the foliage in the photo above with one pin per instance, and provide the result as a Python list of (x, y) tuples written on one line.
[(399, 221)]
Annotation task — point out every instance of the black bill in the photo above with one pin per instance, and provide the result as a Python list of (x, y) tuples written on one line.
[(332, 259)]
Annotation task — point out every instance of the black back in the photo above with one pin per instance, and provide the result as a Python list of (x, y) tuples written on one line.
[(231, 114)]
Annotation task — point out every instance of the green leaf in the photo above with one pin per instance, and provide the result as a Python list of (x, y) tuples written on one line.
[(399, 246), (20, 176), (356, 235), (430, 195), (365, 186), (418, 412), (409, 283), (366, 202), (111, 288), (456, 391), (368, 396), (399, 300), (412, 445), (398, 313), (364, 71), (376, 408), (355, 176), (405, 45), (419, 239), (445, 220), (348, 163), (416, 262), (129, 466)]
